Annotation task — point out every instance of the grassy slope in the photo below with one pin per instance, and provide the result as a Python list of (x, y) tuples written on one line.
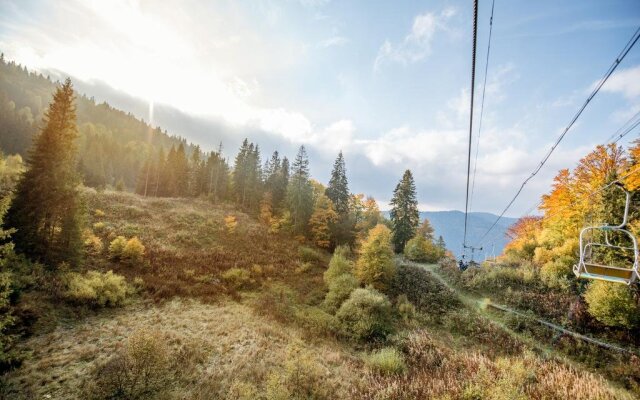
[(238, 340)]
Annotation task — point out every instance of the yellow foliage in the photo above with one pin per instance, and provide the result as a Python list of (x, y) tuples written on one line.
[(230, 222), (321, 219), (375, 265), (96, 288), (134, 250), (116, 247)]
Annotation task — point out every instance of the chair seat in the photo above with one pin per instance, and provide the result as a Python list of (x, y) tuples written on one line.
[(587, 275), (606, 271)]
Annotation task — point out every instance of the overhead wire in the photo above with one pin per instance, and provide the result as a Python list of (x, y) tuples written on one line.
[(473, 84), (603, 80), (484, 88)]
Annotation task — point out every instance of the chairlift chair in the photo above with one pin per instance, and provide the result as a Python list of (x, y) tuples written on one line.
[(591, 267)]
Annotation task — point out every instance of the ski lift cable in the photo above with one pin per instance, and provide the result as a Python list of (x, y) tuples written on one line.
[(603, 80), (473, 83), (484, 88)]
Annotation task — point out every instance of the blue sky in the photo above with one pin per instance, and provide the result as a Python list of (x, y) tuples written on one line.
[(385, 81)]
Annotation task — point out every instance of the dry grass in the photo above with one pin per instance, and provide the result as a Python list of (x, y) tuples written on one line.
[(187, 243), (238, 349), (438, 372)]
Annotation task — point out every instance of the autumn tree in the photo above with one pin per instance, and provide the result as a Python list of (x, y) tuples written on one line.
[(321, 220), (404, 214), (46, 210), (375, 265)]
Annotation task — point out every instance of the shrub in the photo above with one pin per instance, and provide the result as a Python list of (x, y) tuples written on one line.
[(116, 247), (612, 304), (99, 227), (307, 254), (133, 251), (302, 378), (230, 222), (338, 266), (421, 289), (98, 213), (140, 370), (375, 265), (97, 289), (555, 273), (387, 361), (343, 250), (93, 244), (420, 249), (406, 309), (339, 290), (366, 315), (316, 320), (237, 278)]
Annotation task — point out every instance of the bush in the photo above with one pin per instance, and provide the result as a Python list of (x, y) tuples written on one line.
[(97, 289), (555, 273), (421, 289), (612, 304), (316, 320), (375, 265), (338, 266), (116, 247), (366, 315), (230, 222), (387, 361), (420, 249), (343, 250), (133, 251), (307, 254), (93, 244), (140, 370), (238, 278), (302, 378), (99, 213), (339, 290), (406, 309)]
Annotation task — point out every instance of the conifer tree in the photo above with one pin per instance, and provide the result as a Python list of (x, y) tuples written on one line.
[(441, 244), (181, 171), (46, 209), (338, 189), (240, 172), (300, 193), (404, 212)]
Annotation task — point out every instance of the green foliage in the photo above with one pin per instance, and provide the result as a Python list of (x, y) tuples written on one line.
[(404, 214), (10, 169), (386, 361), (8, 356), (300, 193), (338, 266), (555, 273), (421, 249), (376, 265), (238, 278), (612, 304), (367, 315), (422, 290), (116, 247), (97, 289), (406, 309), (339, 290), (46, 210), (338, 189), (307, 254)]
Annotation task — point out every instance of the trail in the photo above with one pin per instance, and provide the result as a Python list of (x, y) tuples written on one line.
[(481, 305)]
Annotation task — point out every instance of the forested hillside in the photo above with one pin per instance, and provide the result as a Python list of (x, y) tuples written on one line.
[(112, 145)]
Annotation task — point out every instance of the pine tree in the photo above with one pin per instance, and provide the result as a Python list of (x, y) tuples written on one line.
[(441, 244), (181, 171), (404, 212), (240, 172), (338, 190), (46, 211), (300, 193)]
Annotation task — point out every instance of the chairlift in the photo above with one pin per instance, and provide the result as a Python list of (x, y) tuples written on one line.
[(591, 266), (490, 258)]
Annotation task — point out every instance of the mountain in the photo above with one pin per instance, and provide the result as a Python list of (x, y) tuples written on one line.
[(450, 224)]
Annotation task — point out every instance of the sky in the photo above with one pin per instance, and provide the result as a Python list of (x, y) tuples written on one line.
[(386, 82)]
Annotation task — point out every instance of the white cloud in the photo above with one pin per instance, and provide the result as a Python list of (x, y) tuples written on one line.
[(333, 41), (417, 43), (625, 82)]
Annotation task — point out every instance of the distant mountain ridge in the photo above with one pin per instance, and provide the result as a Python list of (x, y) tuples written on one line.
[(450, 224)]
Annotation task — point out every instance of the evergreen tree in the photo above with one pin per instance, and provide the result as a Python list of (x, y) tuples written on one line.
[(280, 185), (7, 355), (181, 171), (338, 189), (240, 172), (300, 193), (404, 212), (441, 244), (46, 210)]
